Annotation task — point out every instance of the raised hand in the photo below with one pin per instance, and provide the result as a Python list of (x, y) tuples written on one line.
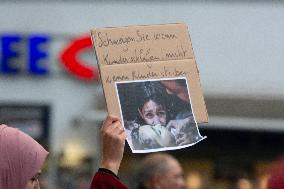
[(113, 141)]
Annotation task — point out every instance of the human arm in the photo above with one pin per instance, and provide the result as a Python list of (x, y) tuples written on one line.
[(112, 140)]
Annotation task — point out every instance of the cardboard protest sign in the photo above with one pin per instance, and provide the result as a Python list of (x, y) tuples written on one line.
[(150, 80)]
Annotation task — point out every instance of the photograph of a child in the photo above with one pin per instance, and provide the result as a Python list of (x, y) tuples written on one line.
[(157, 114)]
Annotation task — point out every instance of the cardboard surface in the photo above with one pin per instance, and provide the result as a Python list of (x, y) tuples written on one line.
[(147, 52), (138, 44)]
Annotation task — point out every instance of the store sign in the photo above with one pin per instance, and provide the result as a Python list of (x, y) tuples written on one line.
[(11, 51), (69, 58), (26, 54)]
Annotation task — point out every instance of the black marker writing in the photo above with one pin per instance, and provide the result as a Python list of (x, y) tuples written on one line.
[(140, 55), (180, 52), (105, 40), (138, 75), (114, 78)]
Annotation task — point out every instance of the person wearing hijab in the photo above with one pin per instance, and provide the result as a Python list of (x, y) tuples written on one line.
[(21, 159)]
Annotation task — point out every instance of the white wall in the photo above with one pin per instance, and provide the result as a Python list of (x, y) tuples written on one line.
[(238, 46)]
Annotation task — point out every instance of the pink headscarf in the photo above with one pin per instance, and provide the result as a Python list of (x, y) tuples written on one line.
[(21, 157)]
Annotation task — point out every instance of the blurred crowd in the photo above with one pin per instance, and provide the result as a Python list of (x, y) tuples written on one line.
[(193, 179)]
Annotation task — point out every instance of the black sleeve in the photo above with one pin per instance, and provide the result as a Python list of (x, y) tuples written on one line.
[(104, 170)]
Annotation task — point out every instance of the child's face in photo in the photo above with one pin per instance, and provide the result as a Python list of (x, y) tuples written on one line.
[(153, 113)]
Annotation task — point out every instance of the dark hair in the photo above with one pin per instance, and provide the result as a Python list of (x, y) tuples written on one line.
[(155, 91), (133, 96)]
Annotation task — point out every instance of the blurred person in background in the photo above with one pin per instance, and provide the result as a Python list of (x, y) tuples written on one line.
[(21, 159), (160, 171), (243, 180), (262, 180), (243, 183), (194, 180)]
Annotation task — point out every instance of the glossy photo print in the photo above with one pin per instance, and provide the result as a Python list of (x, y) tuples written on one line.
[(157, 115)]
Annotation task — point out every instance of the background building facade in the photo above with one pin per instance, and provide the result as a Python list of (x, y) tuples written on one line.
[(238, 47)]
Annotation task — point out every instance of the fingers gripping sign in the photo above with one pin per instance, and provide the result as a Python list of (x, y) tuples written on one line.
[(112, 140)]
